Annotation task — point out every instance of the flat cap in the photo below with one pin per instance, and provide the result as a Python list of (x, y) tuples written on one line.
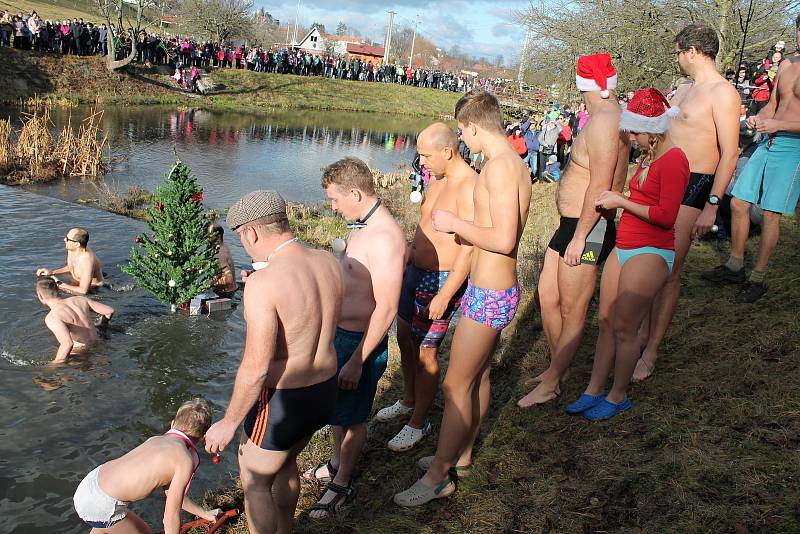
[(262, 204)]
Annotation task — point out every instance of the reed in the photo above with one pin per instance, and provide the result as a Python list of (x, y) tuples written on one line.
[(6, 148), (34, 147)]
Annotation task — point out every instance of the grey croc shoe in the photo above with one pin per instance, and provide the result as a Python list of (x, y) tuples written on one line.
[(420, 494)]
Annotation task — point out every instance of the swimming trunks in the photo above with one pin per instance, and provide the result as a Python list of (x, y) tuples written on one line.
[(566, 231), (771, 178), (419, 288), (494, 308), (353, 406), (698, 190), (95, 506), (280, 418), (624, 255)]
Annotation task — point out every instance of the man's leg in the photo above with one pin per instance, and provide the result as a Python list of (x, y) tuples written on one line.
[(605, 349), (481, 397), (426, 382), (286, 489), (408, 361), (575, 286), (348, 445), (257, 470), (549, 298), (132, 524), (770, 232), (473, 345), (666, 301)]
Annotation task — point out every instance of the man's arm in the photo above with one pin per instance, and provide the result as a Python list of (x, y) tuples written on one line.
[(602, 145), (83, 272), (725, 112), (175, 493), (501, 237), (764, 121), (259, 349), (107, 312), (60, 330), (465, 210), (195, 509), (386, 272)]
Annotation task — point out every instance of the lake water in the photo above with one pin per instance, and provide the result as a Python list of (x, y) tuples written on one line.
[(58, 423), (234, 153)]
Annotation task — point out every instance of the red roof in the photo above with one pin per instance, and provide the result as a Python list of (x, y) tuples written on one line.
[(345, 38), (365, 50)]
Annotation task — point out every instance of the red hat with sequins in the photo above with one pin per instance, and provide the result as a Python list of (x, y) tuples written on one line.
[(647, 112)]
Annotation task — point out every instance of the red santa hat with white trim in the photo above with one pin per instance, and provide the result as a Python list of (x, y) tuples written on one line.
[(596, 73), (647, 112)]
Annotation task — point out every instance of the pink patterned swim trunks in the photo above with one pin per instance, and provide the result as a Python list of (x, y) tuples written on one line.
[(494, 308)]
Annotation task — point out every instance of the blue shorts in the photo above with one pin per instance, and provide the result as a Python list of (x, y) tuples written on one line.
[(624, 255), (419, 288), (354, 405), (771, 178)]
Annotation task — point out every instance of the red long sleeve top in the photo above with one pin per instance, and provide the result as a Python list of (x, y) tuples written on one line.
[(663, 191)]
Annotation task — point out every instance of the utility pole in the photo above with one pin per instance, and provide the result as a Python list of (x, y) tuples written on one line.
[(296, 16), (387, 43), (524, 59), (413, 40)]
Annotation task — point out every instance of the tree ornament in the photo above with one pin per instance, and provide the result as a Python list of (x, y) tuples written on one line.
[(171, 283)]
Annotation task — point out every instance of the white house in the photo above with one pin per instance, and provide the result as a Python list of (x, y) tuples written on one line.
[(312, 42), (340, 42)]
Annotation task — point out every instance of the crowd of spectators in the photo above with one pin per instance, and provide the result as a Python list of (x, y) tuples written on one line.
[(756, 80)]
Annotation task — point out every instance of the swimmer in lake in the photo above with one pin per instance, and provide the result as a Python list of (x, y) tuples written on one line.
[(82, 265), (70, 319), (225, 284)]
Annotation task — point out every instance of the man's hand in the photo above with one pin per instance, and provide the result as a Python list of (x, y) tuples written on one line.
[(572, 256), (609, 200), (437, 307), (244, 273), (443, 221), (219, 436), (705, 221), (211, 515), (767, 125), (350, 374), (751, 121), (41, 271)]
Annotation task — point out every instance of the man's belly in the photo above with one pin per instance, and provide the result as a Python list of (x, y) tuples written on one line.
[(435, 252), (493, 271), (571, 192), (357, 307), (699, 145)]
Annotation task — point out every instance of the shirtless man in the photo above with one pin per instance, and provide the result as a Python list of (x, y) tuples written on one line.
[(285, 387), (433, 283), (707, 130), (225, 284), (372, 264), (70, 319), (771, 179), (501, 198), (169, 461), (82, 265), (599, 163)]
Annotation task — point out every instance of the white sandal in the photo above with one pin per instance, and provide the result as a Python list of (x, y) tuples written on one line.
[(409, 437), (394, 411), (420, 494)]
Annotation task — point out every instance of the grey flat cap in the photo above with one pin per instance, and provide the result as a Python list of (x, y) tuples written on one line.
[(265, 204)]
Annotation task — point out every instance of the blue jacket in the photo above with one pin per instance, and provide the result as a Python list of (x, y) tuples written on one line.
[(531, 137)]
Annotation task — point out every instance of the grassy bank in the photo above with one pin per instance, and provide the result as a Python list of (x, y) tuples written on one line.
[(710, 446), (31, 77)]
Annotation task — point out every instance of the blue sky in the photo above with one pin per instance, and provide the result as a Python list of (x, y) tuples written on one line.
[(481, 27)]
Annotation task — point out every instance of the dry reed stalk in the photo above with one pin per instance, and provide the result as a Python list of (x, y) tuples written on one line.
[(6, 149), (35, 144)]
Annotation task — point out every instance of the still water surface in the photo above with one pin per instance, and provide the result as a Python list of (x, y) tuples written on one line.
[(57, 423)]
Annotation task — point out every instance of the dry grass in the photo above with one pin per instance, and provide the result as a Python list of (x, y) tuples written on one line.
[(710, 446), (35, 156)]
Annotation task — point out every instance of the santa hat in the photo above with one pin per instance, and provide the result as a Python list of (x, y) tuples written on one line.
[(596, 73), (647, 112)]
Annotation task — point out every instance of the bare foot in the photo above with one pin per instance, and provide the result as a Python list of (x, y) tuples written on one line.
[(316, 515), (319, 473), (643, 371), (531, 382), (540, 395)]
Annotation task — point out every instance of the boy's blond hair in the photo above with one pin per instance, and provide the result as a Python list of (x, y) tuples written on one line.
[(194, 417), (349, 173)]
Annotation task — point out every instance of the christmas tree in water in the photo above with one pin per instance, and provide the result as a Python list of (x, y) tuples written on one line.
[(177, 262)]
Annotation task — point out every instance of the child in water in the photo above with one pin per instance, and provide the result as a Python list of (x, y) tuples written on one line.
[(169, 461)]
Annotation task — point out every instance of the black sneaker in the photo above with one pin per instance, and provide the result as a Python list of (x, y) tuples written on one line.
[(751, 292), (721, 273)]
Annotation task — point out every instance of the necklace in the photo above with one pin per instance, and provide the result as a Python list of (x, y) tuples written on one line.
[(362, 223), (257, 265)]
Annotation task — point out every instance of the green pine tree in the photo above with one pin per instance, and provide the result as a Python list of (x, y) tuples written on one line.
[(177, 262)]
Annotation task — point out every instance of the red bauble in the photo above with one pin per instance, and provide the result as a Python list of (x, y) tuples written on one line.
[(197, 197), (216, 459), (137, 240), (160, 207)]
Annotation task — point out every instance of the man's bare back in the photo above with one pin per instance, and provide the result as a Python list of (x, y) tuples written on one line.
[(575, 179), (492, 270), (306, 289), (694, 130), (75, 314), (437, 251), (359, 303)]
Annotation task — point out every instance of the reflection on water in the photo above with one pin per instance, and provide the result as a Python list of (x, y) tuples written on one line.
[(234, 153), (58, 423)]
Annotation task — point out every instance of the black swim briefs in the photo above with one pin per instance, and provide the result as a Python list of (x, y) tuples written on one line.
[(282, 417), (698, 190), (566, 231)]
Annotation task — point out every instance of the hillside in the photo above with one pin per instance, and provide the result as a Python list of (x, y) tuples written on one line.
[(70, 79)]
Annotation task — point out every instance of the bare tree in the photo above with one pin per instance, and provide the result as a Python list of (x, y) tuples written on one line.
[(119, 26), (220, 20)]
